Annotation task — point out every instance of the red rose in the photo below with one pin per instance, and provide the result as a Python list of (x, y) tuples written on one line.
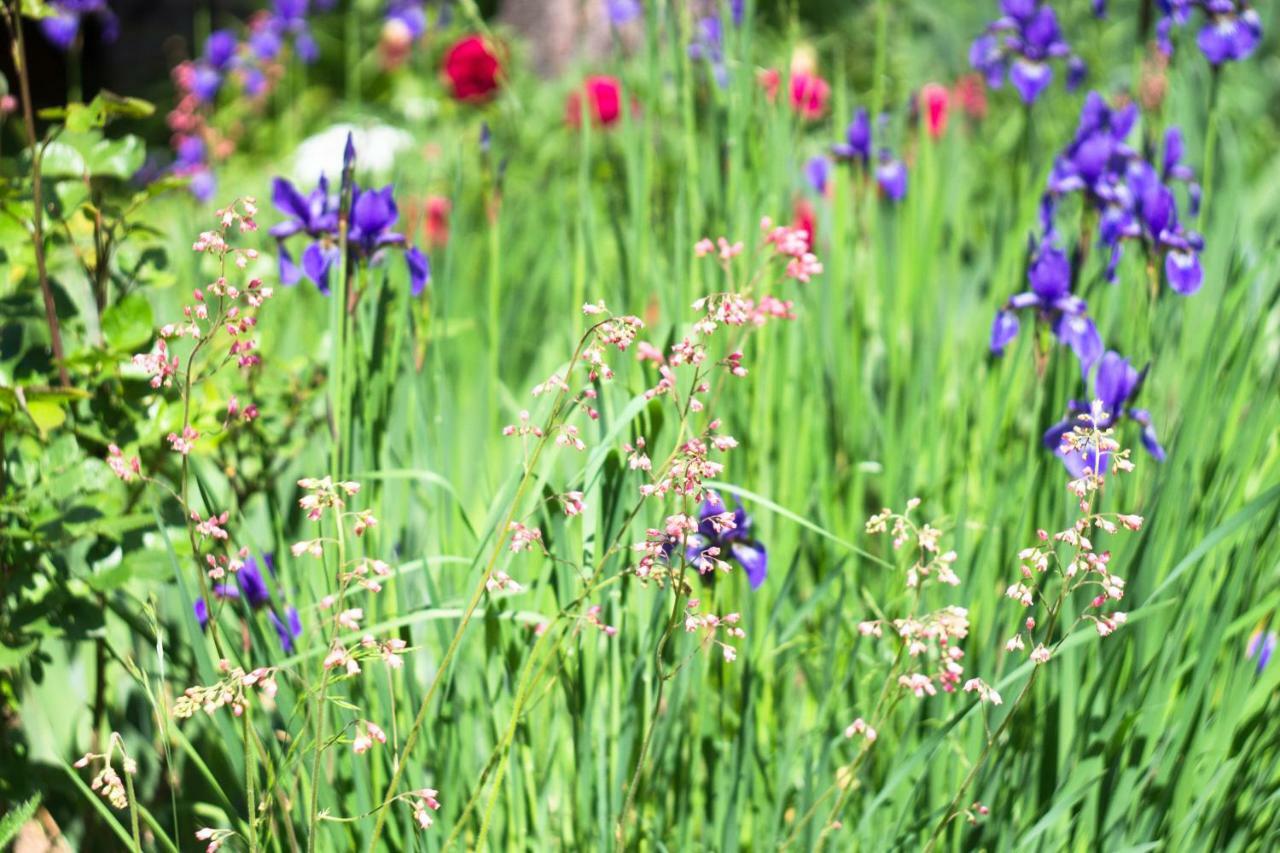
[(472, 68), (604, 97)]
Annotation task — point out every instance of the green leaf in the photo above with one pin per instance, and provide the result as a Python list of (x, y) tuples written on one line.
[(120, 106), (61, 160), (36, 9), (116, 158), (11, 657), (128, 324), (46, 415), (15, 819)]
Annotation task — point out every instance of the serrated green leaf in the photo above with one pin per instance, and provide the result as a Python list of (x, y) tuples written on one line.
[(15, 819)]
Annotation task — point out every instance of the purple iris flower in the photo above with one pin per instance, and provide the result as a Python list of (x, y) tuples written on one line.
[(1099, 8), (63, 26), (734, 543), (890, 172), (265, 43), (622, 11), (1134, 200), (61, 30), (1163, 233), (1051, 298), (223, 592), (1019, 45), (891, 175), (206, 82), (410, 13), (1262, 645), (708, 46), (857, 144), (253, 584), (1231, 31), (202, 184), (287, 629), (1077, 71), (289, 17), (1115, 384), (817, 171), (316, 215), (373, 215), (220, 48)]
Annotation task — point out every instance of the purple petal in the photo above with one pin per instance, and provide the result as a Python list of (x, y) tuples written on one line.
[(1003, 331), (1184, 272), (287, 199), (419, 270), (1079, 333), (754, 559), (289, 272), (1030, 78), (61, 30), (316, 261)]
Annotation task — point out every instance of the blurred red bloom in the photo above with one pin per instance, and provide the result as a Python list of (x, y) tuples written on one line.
[(472, 68), (437, 224), (809, 92), (604, 98), (769, 80), (971, 94), (809, 95), (806, 220), (935, 102)]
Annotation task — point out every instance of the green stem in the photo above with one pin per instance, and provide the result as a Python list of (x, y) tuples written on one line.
[(636, 777), (322, 708), (19, 48), (133, 812), (250, 772), (1210, 143)]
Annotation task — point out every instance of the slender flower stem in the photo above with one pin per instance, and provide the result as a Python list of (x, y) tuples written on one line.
[(322, 698), (411, 738), (14, 21), (619, 835), (133, 812), (250, 774), (953, 807), (1210, 143)]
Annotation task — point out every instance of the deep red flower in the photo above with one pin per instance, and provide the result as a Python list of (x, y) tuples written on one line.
[(472, 69), (604, 97), (935, 102)]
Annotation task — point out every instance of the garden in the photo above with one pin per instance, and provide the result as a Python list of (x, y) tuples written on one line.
[(640, 425)]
